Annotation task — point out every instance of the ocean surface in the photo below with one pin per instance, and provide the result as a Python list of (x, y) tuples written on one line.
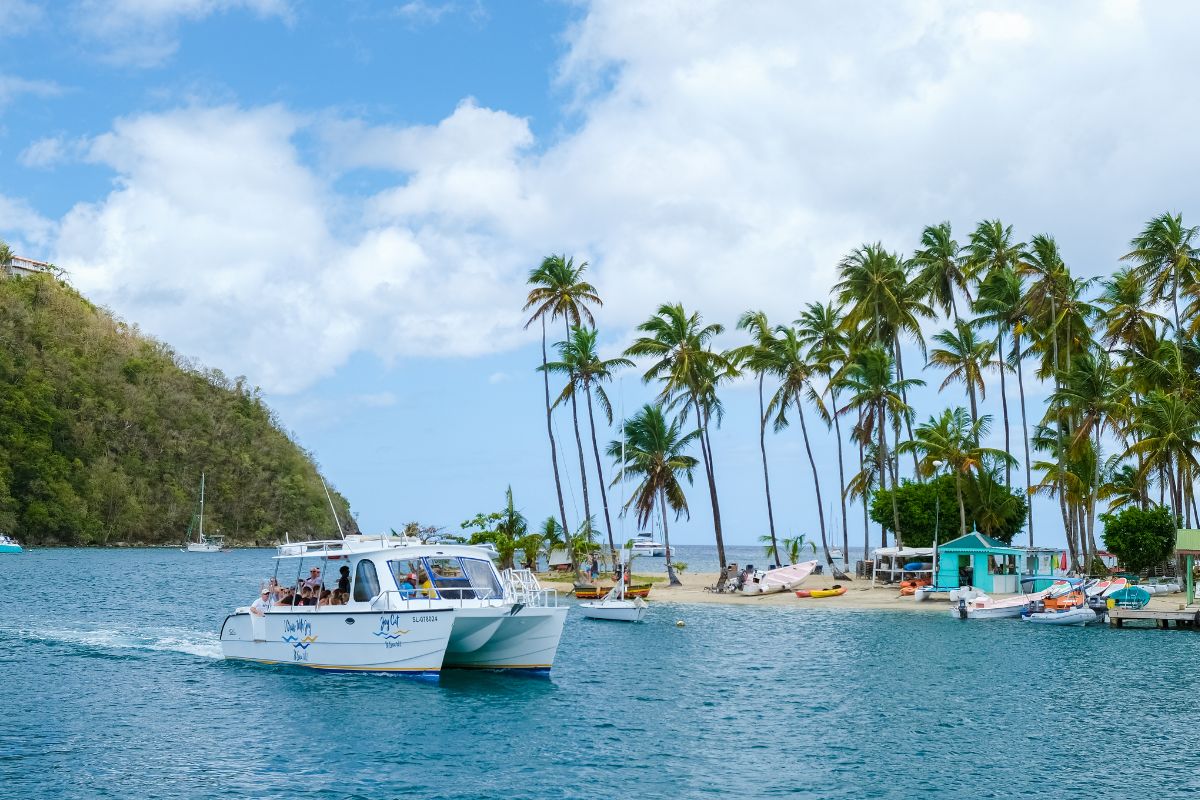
[(114, 688)]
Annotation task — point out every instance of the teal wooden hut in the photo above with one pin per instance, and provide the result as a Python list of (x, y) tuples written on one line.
[(980, 561)]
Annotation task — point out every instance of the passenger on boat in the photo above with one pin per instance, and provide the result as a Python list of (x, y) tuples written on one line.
[(314, 578), (306, 597), (427, 589), (408, 587), (260, 606), (343, 583)]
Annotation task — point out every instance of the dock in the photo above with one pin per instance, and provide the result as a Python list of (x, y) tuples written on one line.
[(1188, 617)]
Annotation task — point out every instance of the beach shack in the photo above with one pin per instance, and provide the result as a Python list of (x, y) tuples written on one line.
[(893, 564), (980, 561), (1041, 566), (1187, 547)]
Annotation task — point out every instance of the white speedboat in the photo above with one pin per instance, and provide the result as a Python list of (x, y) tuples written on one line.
[(780, 579), (9, 544), (412, 608), (644, 545), (202, 543), (984, 607)]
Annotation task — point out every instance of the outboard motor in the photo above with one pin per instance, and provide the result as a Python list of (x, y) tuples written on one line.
[(1098, 604), (962, 609)]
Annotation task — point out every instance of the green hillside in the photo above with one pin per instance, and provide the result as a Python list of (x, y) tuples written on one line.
[(104, 433)]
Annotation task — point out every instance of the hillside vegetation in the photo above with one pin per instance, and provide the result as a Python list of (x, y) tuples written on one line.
[(104, 433)]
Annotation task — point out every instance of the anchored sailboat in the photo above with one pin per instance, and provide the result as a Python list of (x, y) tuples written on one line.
[(202, 543)]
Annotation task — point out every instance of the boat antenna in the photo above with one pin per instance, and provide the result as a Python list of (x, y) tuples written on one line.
[(341, 533)]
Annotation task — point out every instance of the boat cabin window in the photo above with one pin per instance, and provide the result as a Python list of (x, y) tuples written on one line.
[(366, 581), (409, 574), (483, 578), (448, 577)]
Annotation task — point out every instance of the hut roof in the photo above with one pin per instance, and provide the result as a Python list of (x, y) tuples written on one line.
[(976, 542)]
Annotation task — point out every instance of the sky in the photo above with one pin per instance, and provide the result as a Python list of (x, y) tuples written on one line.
[(342, 201)]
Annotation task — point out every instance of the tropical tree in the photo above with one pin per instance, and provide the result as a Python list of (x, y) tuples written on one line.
[(793, 546), (942, 270), (1001, 305), (965, 356), (558, 290), (820, 330), (1166, 258), (586, 371), (1169, 436), (505, 530), (678, 345), (653, 450), (795, 374), (952, 440), (758, 356), (553, 538)]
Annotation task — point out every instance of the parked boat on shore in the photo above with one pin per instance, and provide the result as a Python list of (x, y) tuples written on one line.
[(410, 608), (780, 579)]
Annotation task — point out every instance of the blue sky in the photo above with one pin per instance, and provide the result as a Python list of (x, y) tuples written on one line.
[(341, 201)]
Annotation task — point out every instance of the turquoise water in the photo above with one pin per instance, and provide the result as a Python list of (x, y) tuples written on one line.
[(114, 688)]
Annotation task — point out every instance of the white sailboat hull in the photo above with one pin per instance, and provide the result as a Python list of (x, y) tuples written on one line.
[(205, 547), (616, 610), (411, 643), (783, 579)]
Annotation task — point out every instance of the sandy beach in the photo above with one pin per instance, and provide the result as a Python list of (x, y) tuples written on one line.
[(859, 595)]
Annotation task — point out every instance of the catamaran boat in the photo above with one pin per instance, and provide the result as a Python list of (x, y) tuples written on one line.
[(413, 608), (780, 579), (202, 543), (9, 544), (644, 545)]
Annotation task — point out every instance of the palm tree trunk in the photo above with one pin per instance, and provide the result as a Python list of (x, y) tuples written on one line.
[(862, 467), (600, 474), (762, 446), (1004, 406), (883, 455), (1024, 433), (562, 508), (672, 578), (837, 428), (962, 509), (907, 421), (587, 506), (706, 451), (812, 462)]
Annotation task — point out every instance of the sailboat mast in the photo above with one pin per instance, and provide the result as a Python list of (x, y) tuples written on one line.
[(337, 521), (201, 506)]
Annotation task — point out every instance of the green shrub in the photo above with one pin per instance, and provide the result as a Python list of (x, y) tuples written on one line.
[(1140, 539)]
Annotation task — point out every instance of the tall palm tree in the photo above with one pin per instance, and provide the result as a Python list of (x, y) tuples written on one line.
[(1169, 441), (876, 392), (683, 361), (757, 357), (1129, 324), (820, 330), (941, 268), (795, 374), (953, 440), (586, 371), (653, 452), (966, 357), (1001, 304), (558, 291), (1166, 257)]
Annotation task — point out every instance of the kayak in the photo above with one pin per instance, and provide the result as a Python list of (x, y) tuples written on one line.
[(832, 591)]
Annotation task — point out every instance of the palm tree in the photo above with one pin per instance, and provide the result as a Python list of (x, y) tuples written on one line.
[(941, 268), (965, 356), (1170, 436), (820, 330), (552, 536), (795, 376), (876, 392), (653, 452), (558, 291), (794, 545), (1129, 324), (953, 440), (689, 371), (508, 533), (587, 371), (758, 356), (1166, 258), (1001, 305)]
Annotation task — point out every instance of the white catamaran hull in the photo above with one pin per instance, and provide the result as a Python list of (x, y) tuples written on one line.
[(508, 637), (408, 642)]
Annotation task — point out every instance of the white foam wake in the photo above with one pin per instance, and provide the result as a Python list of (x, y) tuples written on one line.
[(189, 642)]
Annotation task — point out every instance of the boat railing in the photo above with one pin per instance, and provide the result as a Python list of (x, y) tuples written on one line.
[(523, 587), (393, 600)]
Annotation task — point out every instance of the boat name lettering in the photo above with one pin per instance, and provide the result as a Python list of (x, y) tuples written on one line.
[(300, 626)]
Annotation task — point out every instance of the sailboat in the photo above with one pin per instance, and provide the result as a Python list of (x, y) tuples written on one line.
[(203, 544), (614, 606)]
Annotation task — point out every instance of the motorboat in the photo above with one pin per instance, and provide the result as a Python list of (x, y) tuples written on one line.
[(982, 606), (202, 543), (9, 545), (412, 608), (780, 579), (644, 545)]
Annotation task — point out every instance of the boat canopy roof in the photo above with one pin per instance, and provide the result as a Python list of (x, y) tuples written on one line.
[(976, 542), (361, 545)]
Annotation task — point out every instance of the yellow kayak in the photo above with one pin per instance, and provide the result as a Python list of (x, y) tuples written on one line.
[(833, 591)]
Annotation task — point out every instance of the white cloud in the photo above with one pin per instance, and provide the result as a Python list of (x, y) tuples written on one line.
[(51, 151), (18, 16), (725, 155), (12, 87), (144, 33), (26, 231)]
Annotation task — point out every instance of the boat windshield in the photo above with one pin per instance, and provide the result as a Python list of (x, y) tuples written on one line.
[(464, 578)]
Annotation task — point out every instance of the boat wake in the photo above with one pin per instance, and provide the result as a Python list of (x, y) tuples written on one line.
[(174, 641)]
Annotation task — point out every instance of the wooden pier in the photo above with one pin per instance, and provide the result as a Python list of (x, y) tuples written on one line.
[(1188, 617)]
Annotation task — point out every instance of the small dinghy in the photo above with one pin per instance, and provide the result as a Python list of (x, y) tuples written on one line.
[(984, 607), (1079, 615), (833, 591)]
